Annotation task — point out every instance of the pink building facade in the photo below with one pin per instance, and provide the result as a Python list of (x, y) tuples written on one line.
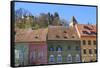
[(38, 53)]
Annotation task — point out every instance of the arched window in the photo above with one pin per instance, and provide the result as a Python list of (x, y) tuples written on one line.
[(77, 58), (59, 49), (69, 58), (51, 59), (59, 59)]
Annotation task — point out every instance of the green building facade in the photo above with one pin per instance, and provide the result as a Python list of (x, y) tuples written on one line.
[(63, 45), (21, 54)]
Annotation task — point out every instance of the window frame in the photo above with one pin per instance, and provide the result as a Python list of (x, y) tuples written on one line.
[(94, 42), (51, 58), (89, 42), (69, 48), (84, 51), (69, 58), (95, 51), (84, 42), (57, 49), (59, 57), (51, 49), (90, 51), (77, 58)]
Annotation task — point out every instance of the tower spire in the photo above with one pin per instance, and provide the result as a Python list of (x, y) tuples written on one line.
[(73, 21)]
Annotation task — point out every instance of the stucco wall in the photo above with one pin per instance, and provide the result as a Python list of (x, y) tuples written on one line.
[(24, 47), (40, 49), (65, 51)]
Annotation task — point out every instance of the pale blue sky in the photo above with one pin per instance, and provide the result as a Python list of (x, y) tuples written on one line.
[(83, 14)]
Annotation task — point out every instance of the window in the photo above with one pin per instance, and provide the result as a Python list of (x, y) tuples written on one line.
[(17, 57), (93, 33), (59, 59), (84, 51), (69, 48), (21, 57), (77, 48), (77, 58), (84, 42), (89, 42), (51, 49), (59, 49), (73, 36), (51, 59), (65, 31), (95, 51), (40, 55), (57, 36), (90, 51), (65, 37), (94, 42), (16, 54), (36, 37), (69, 58), (32, 56), (85, 32)]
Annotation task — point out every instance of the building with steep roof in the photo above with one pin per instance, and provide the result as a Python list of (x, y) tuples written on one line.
[(31, 47), (87, 34), (63, 45)]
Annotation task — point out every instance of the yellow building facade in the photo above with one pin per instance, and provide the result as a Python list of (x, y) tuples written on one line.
[(87, 34)]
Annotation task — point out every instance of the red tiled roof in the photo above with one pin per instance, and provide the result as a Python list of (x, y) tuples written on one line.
[(86, 30), (25, 35), (61, 33)]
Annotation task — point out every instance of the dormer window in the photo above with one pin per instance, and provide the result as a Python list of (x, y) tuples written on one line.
[(36, 37), (65, 37), (85, 32), (73, 36), (93, 33), (65, 31), (57, 36)]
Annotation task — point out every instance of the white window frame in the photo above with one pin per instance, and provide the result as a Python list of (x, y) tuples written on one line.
[(58, 49), (59, 57), (50, 58), (77, 58), (69, 56)]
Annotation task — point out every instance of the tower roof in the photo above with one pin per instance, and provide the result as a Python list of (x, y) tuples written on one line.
[(74, 20)]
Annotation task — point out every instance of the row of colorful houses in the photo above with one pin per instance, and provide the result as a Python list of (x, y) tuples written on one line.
[(56, 44)]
